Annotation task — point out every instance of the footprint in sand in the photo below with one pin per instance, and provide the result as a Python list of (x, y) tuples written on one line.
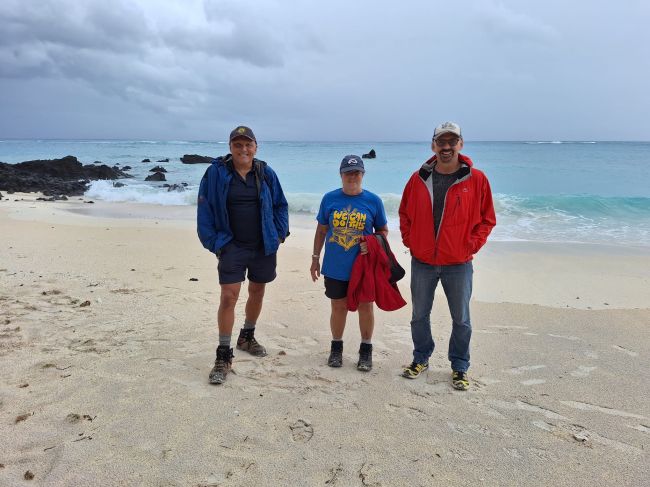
[(577, 433), (513, 452), (564, 337), (301, 431), (524, 368), (583, 371), (585, 406), (631, 353)]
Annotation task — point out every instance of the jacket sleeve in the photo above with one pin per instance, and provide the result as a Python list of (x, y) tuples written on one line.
[(205, 225), (280, 207), (481, 231), (404, 217)]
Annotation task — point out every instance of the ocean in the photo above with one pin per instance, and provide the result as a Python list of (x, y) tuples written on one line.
[(549, 191)]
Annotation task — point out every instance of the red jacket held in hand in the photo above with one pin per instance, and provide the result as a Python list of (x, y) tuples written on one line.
[(369, 280)]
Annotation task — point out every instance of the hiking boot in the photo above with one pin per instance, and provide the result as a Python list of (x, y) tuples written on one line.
[(414, 370), (365, 357), (247, 343), (459, 380), (336, 354), (222, 365)]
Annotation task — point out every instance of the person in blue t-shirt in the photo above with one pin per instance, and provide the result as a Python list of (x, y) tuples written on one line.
[(345, 215)]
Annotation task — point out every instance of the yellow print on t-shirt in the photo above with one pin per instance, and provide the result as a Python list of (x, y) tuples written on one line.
[(347, 227)]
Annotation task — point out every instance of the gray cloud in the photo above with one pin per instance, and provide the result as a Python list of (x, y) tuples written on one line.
[(507, 25), (324, 70)]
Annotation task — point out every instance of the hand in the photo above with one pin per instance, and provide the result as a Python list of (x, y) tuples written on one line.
[(363, 246), (315, 269)]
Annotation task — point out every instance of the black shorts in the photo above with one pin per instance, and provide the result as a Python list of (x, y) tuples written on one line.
[(235, 261), (335, 289)]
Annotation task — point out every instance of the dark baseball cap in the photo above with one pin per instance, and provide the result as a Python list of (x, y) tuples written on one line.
[(243, 131), (352, 163)]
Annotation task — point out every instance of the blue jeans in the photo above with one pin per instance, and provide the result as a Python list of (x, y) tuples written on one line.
[(457, 284)]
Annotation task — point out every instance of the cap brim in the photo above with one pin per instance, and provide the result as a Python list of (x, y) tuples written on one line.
[(351, 169), (447, 132)]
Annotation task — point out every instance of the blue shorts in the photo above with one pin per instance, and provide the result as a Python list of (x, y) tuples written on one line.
[(235, 261)]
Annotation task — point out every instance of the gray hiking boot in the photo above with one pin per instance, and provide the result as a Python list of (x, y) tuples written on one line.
[(222, 365)]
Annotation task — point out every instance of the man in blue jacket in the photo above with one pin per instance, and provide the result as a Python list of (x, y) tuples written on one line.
[(242, 217)]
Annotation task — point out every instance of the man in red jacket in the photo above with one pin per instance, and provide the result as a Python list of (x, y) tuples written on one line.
[(446, 215)]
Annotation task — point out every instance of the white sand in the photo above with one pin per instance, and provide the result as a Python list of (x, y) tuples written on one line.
[(116, 392)]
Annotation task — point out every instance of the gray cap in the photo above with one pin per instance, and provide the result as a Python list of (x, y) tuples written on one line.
[(352, 163), (447, 128)]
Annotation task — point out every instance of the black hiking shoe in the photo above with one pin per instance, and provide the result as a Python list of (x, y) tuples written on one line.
[(336, 354), (247, 343), (222, 365), (365, 357)]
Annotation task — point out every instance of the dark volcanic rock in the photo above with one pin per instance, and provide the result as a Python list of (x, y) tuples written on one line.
[(158, 169), (196, 159), (175, 187), (370, 155), (66, 176), (157, 176), (146, 160), (163, 160), (53, 198), (126, 168), (118, 185)]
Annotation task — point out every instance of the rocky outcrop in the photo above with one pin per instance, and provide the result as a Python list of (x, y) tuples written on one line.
[(66, 176), (163, 160), (158, 169), (175, 187), (157, 176), (196, 159), (369, 155)]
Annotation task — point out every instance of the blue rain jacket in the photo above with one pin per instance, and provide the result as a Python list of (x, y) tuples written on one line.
[(212, 213)]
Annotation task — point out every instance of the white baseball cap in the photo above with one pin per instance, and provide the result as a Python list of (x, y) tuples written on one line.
[(447, 128)]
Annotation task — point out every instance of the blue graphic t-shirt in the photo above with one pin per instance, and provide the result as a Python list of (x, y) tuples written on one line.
[(348, 217)]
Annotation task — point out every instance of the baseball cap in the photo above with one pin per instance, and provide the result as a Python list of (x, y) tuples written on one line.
[(447, 128), (243, 131), (352, 163)]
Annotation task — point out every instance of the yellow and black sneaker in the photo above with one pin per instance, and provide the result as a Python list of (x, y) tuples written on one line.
[(459, 380), (414, 370)]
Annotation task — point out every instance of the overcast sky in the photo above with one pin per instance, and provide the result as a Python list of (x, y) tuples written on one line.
[(368, 70)]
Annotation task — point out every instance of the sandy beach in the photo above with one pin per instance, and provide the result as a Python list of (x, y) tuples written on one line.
[(108, 332)]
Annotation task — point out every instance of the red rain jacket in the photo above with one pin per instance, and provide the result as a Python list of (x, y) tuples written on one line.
[(467, 218), (369, 280)]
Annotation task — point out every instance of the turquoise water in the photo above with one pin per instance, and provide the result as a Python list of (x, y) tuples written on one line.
[(544, 190)]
